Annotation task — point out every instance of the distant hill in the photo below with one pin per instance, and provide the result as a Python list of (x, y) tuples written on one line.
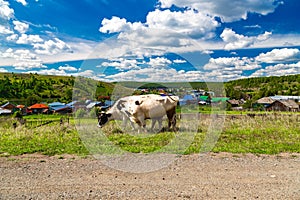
[(256, 88), (31, 88)]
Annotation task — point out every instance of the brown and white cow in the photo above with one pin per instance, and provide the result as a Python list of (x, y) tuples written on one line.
[(139, 108)]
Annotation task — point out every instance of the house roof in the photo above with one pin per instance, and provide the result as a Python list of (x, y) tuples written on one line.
[(233, 102), (290, 103), (265, 100), (8, 105), (20, 106), (54, 104), (219, 99), (38, 106), (60, 108)]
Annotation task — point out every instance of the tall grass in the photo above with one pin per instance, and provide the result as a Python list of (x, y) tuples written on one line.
[(49, 140)]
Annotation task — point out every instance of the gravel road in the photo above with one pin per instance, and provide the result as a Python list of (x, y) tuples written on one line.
[(207, 176)]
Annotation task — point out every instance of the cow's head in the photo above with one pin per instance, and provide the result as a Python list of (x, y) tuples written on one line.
[(103, 118)]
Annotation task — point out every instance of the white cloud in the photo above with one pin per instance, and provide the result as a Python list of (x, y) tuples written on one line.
[(29, 65), (23, 2), (279, 55), (21, 27), (231, 63), (19, 54), (237, 41), (12, 37), (29, 39), (278, 70), (5, 11), (50, 72), (179, 61), (116, 24), (159, 62), (189, 22), (5, 30), (163, 31), (227, 10), (23, 59), (67, 68), (155, 75), (122, 64), (2, 70), (51, 47)]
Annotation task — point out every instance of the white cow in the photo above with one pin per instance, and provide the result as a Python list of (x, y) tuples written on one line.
[(139, 108)]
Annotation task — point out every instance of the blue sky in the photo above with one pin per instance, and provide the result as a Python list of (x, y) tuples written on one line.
[(151, 40)]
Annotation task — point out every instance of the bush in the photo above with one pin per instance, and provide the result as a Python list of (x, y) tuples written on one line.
[(80, 113)]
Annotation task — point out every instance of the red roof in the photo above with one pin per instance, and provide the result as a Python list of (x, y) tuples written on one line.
[(38, 106)]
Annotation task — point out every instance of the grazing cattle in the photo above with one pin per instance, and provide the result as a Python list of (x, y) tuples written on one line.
[(116, 112), (139, 108), (119, 111)]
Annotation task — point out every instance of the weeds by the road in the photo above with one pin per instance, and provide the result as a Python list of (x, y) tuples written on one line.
[(266, 134)]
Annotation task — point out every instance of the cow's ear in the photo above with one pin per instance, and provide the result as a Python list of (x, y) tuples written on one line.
[(138, 103), (109, 115)]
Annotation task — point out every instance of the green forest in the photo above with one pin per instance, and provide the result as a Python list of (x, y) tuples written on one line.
[(32, 88)]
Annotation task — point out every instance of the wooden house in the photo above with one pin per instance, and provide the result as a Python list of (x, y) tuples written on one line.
[(265, 101), (284, 105), (38, 108), (9, 106)]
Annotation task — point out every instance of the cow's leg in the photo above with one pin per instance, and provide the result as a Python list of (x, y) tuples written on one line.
[(172, 119)]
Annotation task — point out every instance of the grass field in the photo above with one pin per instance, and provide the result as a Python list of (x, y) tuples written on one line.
[(263, 134)]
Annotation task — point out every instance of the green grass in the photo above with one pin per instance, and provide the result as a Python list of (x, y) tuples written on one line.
[(271, 134), (51, 139)]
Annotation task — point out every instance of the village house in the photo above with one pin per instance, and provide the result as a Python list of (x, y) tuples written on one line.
[(235, 104), (284, 105), (38, 108), (265, 101)]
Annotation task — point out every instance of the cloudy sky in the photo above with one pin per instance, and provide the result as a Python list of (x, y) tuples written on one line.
[(151, 40)]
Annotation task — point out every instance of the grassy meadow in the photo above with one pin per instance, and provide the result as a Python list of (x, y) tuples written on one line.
[(262, 134)]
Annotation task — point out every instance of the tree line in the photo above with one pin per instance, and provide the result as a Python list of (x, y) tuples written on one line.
[(32, 88)]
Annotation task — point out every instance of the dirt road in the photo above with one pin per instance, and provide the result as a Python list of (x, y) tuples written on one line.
[(209, 176)]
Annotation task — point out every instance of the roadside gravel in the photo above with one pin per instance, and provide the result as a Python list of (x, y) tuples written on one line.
[(206, 176)]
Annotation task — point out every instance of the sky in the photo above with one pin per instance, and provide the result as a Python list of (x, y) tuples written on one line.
[(151, 40)]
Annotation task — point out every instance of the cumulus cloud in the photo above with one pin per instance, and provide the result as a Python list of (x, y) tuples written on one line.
[(13, 37), (278, 70), (231, 63), (26, 65), (5, 30), (67, 68), (235, 9), (159, 62), (19, 54), (164, 30), (122, 64), (29, 39), (23, 2), (189, 22), (23, 59), (2, 70), (5, 11), (51, 47), (179, 61), (237, 41), (155, 75), (279, 55), (116, 24), (21, 27)]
